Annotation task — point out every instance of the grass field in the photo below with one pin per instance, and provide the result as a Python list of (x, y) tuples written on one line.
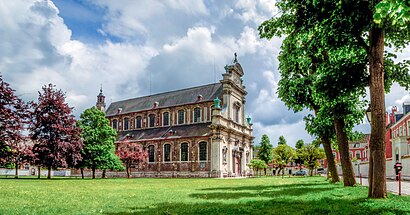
[(312, 195)]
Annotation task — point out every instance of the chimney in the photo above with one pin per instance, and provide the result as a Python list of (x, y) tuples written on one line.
[(393, 112)]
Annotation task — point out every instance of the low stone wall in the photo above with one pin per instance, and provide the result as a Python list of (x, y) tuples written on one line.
[(34, 171), (162, 174), (363, 169)]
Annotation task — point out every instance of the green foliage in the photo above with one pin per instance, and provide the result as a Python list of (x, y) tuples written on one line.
[(262, 195), (283, 154), (98, 138), (265, 149), (282, 140), (311, 154), (299, 144), (257, 164), (395, 11)]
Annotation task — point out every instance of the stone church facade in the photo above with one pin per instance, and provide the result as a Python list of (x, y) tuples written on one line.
[(195, 132)]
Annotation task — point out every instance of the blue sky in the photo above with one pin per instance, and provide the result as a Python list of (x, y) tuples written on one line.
[(80, 44)]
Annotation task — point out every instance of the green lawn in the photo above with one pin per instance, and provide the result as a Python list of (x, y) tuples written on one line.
[(312, 195)]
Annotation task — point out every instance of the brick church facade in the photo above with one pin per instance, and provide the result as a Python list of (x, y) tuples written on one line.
[(195, 132)]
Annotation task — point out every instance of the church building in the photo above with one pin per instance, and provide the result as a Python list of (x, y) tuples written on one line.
[(195, 132)]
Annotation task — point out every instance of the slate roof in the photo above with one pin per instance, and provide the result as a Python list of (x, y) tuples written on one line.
[(181, 131), (174, 98)]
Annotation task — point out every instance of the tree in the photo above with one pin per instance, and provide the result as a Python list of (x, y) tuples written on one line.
[(348, 27), (257, 164), (311, 154), (132, 155), (14, 114), (299, 144), (265, 150), (282, 155), (282, 140), (98, 138), (54, 132)]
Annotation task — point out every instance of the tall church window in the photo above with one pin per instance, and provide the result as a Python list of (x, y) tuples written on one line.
[(202, 151), (151, 153), (184, 152), (138, 122), (165, 119), (237, 110), (151, 120), (181, 117), (126, 124), (167, 152), (115, 124), (197, 114)]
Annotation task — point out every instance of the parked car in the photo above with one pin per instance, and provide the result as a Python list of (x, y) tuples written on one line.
[(321, 171), (300, 173)]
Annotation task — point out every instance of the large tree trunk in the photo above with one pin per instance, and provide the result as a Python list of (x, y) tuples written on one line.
[(17, 170), (104, 174), (82, 173), (93, 170), (39, 172), (264, 170), (343, 145), (377, 167), (331, 164), (49, 173)]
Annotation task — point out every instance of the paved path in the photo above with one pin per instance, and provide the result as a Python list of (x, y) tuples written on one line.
[(392, 186)]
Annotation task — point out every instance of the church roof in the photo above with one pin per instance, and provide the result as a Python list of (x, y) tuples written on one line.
[(167, 99), (180, 131)]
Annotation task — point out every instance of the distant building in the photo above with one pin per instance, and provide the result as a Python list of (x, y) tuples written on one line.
[(195, 132)]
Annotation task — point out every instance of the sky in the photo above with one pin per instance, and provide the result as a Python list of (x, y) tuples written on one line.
[(79, 45)]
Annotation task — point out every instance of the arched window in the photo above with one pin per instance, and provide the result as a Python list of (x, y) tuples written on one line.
[(237, 109), (151, 153), (165, 119), (184, 152), (151, 120), (138, 122), (202, 151), (197, 114), (126, 124), (358, 154), (115, 124), (167, 152), (181, 117)]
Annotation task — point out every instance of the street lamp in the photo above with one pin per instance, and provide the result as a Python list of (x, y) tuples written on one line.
[(369, 114)]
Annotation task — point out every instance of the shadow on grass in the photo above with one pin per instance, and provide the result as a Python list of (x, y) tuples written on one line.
[(274, 206)]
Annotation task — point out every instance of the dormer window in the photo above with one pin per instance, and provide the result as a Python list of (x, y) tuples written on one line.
[(151, 120), (199, 97), (115, 124), (138, 122), (181, 117), (165, 119), (126, 124), (156, 104), (197, 114)]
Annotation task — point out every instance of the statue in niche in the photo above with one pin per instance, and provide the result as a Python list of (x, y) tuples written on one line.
[(224, 153)]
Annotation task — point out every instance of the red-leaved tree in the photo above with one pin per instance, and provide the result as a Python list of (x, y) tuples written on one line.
[(54, 131), (132, 155), (14, 114)]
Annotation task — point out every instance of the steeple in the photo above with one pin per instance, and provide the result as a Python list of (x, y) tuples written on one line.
[(101, 101)]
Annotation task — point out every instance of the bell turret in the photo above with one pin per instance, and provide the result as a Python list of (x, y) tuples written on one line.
[(101, 101)]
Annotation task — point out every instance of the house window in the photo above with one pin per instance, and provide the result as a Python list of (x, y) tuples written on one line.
[(126, 124), (151, 153), (205, 113), (197, 114), (358, 154), (202, 151), (351, 154), (138, 122), (356, 145), (115, 124), (151, 120), (165, 119), (184, 152), (167, 152), (181, 117)]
